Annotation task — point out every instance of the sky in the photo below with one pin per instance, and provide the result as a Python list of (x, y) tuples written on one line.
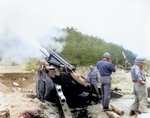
[(27, 23)]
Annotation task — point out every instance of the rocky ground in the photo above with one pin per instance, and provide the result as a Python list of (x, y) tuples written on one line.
[(20, 97)]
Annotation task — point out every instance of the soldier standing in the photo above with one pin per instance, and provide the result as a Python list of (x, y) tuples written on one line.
[(140, 90), (105, 68), (92, 78)]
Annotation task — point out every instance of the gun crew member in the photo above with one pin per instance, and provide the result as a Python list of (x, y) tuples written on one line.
[(92, 78), (44, 85), (105, 68), (140, 91)]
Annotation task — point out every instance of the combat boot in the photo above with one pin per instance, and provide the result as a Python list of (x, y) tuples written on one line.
[(132, 112), (108, 109)]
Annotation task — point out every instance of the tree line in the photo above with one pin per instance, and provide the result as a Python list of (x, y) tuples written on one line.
[(86, 50)]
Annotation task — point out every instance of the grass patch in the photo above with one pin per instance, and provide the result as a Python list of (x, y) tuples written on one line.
[(14, 64), (147, 65), (32, 64)]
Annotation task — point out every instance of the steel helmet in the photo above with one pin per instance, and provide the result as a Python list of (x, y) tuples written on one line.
[(140, 59), (107, 55), (91, 67)]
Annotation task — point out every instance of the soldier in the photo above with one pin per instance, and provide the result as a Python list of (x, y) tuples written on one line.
[(105, 68), (92, 78), (140, 91), (44, 85)]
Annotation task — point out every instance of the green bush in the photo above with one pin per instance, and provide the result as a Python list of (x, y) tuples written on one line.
[(14, 64), (32, 64), (147, 66), (86, 50)]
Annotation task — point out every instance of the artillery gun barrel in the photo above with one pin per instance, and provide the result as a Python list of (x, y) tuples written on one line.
[(44, 53), (57, 57)]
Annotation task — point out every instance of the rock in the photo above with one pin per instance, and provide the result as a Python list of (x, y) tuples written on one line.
[(19, 89), (12, 106), (30, 91), (15, 84), (4, 114), (1, 75), (148, 100), (23, 78), (36, 99)]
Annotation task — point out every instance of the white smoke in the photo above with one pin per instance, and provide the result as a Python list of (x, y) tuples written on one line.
[(18, 48), (24, 29)]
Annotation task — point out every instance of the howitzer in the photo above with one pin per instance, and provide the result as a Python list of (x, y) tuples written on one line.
[(62, 66), (68, 85)]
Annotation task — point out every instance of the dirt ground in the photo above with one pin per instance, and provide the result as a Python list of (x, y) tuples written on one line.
[(19, 99), (22, 98)]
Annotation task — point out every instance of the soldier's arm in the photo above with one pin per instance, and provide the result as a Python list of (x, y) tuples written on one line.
[(138, 75), (41, 68), (112, 67), (142, 82)]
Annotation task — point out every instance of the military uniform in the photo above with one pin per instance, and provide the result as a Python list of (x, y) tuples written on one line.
[(105, 68), (92, 78), (44, 86), (140, 90)]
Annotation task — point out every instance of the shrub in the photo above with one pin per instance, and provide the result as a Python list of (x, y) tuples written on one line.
[(32, 64)]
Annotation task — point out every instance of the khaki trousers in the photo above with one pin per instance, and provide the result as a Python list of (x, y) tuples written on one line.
[(140, 102)]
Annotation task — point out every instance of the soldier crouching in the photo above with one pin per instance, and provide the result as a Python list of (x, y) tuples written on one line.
[(44, 85)]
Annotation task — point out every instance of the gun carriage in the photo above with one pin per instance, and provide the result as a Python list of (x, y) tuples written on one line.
[(72, 84)]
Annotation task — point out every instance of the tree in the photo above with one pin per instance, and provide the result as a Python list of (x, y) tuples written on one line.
[(87, 50)]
